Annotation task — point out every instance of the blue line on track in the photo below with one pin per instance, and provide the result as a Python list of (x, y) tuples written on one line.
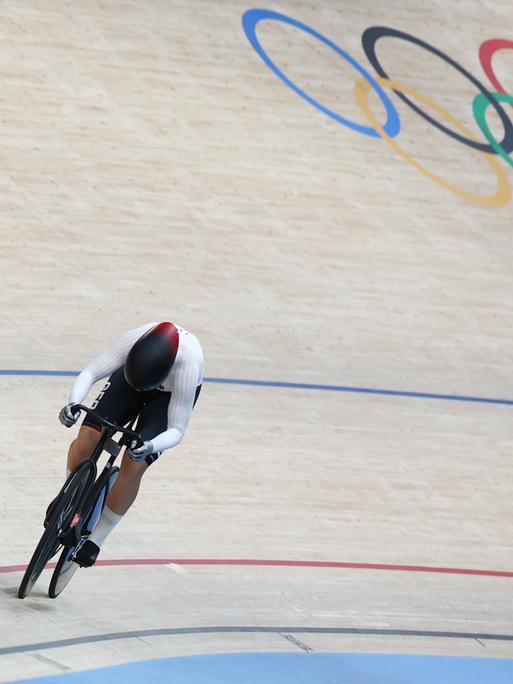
[(304, 386), (297, 668)]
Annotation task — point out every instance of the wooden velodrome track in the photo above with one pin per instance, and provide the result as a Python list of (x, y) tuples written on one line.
[(153, 167)]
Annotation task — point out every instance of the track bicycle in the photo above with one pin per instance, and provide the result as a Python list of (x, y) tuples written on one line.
[(72, 515)]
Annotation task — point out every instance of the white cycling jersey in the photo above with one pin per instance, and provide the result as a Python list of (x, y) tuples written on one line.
[(185, 376)]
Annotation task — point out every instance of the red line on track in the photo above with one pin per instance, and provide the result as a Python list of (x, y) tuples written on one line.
[(282, 564)]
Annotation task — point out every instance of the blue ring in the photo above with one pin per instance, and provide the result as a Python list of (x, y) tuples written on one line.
[(249, 21)]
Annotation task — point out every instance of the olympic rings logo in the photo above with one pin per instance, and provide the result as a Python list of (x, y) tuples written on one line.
[(421, 104)]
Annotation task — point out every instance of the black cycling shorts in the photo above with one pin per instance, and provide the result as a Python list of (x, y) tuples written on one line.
[(121, 404)]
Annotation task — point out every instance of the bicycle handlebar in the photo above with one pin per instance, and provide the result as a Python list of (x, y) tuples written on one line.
[(131, 435)]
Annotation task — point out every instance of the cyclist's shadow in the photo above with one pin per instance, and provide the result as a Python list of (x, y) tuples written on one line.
[(12, 592)]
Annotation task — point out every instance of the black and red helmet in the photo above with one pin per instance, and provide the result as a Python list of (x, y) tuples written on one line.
[(151, 358)]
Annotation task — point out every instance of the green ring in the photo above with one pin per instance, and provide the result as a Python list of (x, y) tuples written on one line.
[(479, 106)]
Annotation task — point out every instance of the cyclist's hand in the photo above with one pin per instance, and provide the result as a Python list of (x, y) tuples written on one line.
[(140, 453), (67, 417)]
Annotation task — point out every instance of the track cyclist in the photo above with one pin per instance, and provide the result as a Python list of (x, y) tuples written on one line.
[(155, 374)]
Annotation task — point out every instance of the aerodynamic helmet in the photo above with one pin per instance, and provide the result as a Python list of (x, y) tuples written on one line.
[(151, 358)]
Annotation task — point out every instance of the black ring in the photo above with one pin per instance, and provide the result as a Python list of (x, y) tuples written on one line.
[(374, 33)]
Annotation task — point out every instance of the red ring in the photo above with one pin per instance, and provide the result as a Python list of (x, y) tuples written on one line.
[(486, 52)]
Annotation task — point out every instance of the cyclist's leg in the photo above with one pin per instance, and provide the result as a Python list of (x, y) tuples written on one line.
[(118, 402), (125, 489), (151, 422), (81, 447)]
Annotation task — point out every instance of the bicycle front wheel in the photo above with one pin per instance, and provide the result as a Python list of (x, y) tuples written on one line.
[(60, 518), (64, 571)]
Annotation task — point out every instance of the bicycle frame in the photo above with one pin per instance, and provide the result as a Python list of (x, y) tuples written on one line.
[(72, 536)]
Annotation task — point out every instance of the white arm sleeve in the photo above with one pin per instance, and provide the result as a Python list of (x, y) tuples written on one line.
[(180, 408), (105, 363)]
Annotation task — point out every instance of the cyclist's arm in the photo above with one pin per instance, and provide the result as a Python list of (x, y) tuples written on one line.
[(106, 363), (179, 409)]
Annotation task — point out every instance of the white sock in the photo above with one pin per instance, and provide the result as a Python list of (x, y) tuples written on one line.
[(107, 522)]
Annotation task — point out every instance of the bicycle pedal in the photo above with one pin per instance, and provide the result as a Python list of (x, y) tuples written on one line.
[(85, 553), (77, 561)]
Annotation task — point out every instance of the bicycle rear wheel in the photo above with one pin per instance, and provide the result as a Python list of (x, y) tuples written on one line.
[(66, 567), (60, 518)]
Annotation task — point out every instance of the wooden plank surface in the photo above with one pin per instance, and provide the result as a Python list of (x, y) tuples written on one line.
[(153, 167)]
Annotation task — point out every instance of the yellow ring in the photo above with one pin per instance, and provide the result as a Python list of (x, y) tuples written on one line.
[(503, 194)]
